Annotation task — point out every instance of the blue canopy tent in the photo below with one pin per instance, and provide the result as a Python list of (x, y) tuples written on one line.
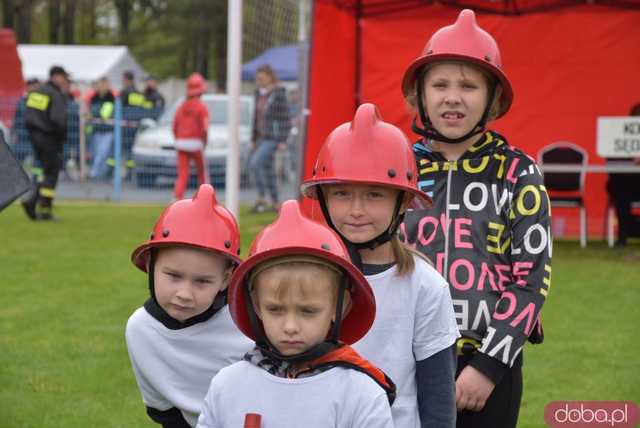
[(283, 60)]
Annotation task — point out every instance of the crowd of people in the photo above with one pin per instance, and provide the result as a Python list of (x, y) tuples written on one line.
[(47, 119), (274, 130)]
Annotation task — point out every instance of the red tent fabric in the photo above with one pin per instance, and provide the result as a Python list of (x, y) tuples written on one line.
[(11, 81), (568, 65)]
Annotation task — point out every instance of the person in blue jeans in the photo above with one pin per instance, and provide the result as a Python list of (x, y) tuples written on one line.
[(270, 131), (102, 107)]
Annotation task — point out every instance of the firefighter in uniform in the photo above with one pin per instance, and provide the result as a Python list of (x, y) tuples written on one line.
[(46, 122), (135, 107)]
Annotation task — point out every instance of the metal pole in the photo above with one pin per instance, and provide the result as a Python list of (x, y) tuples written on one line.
[(83, 141), (303, 81), (117, 143), (234, 58)]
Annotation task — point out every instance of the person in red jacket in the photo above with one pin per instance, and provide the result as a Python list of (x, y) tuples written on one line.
[(190, 126)]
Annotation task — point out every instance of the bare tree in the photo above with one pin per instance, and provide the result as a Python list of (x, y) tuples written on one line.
[(7, 13), (23, 15), (54, 21), (69, 22), (123, 9)]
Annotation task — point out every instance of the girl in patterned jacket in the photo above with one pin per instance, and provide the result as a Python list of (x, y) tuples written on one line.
[(488, 230)]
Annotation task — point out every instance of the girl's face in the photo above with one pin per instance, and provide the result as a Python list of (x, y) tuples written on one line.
[(455, 97), (360, 211), (187, 280)]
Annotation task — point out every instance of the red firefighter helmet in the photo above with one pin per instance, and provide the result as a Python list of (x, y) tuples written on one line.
[(463, 41), (199, 222), (383, 153), (196, 85), (294, 234)]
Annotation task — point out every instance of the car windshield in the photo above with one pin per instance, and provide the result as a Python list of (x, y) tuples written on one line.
[(217, 112)]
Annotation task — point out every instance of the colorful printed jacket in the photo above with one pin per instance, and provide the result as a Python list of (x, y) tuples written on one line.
[(495, 249)]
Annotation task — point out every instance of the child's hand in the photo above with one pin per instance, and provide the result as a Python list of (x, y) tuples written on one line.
[(472, 390)]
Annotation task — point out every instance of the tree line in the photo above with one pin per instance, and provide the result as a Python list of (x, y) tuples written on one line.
[(169, 38)]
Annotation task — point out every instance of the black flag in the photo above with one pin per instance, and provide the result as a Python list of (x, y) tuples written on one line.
[(14, 181)]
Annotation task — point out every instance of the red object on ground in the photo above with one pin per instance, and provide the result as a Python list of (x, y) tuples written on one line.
[(252, 420)]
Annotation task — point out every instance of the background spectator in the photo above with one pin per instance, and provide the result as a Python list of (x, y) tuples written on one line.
[(624, 189), (46, 121), (102, 109), (270, 132), (153, 96), (190, 129)]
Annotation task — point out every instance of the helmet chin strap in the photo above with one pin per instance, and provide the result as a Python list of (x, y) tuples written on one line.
[(329, 344), (429, 132), (372, 244)]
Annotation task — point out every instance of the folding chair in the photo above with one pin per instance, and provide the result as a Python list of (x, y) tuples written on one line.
[(566, 189)]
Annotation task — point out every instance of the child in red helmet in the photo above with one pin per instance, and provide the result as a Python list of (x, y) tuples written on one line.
[(489, 227), (302, 302), (190, 129), (183, 335), (364, 198)]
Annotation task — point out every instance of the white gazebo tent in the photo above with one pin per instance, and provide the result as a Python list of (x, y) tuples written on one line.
[(85, 63)]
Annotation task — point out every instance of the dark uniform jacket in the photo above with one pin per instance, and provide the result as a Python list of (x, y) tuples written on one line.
[(46, 111), (274, 124), (495, 249), (102, 110)]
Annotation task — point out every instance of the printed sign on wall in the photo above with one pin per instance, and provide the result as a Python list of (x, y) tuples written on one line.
[(619, 137)]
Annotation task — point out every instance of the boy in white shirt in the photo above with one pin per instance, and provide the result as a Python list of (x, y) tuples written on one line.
[(303, 302), (183, 335)]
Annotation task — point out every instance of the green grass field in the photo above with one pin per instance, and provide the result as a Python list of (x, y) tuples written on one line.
[(68, 288)]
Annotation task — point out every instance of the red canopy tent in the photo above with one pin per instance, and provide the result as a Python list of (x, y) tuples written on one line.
[(11, 81), (569, 62)]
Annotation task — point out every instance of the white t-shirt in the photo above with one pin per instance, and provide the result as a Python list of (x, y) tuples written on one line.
[(189, 144), (338, 397), (173, 368), (414, 320)]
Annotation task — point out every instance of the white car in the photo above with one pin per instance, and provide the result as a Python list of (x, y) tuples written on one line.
[(154, 153)]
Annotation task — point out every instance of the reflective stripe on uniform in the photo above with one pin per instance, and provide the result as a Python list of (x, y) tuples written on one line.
[(135, 99), (106, 110), (38, 101), (47, 192), (111, 162), (131, 164)]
